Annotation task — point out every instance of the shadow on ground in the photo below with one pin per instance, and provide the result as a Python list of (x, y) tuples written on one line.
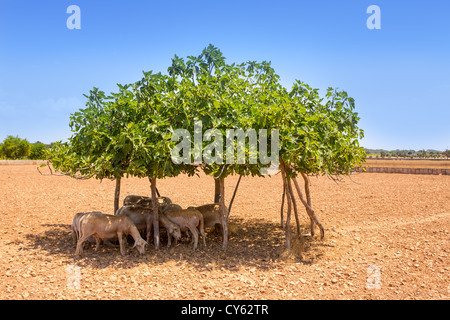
[(257, 243)]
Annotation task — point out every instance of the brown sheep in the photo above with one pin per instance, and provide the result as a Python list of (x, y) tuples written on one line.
[(105, 226), (188, 219), (211, 215), (75, 227), (173, 229), (169, 207), (143, 219), (137, 214), (144, 201)]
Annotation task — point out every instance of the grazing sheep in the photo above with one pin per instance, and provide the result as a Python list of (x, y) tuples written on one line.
[(75, 227), (188, 219), (173, 229), (211, 215), (137, 214), (143, 219), (105, 226), (144, 201)]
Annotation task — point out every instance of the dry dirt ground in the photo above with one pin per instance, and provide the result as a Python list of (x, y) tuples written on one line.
[(387, 237)]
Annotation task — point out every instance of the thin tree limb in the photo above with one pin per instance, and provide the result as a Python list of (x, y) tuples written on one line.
[(282, 204), (232, 198), (155, 213), (309, 210), (294, 204), (223, 214), (60, 174), (288, 216), (117, 195), (308, 200)]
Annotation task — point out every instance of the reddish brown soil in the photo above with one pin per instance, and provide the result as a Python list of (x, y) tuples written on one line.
[(405, 163), (398, 223)]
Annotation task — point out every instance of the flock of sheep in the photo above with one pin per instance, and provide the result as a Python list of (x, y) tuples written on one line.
[(136, 218)]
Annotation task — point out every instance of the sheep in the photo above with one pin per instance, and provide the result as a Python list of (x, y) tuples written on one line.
[(105, 226), (173, 229), (143, 218), (188, 219), (169, 207), (144, 201), (211, 215), (137, 214), (75, 227)]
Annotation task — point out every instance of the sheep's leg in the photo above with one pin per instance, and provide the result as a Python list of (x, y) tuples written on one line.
[(97, 244), (202, 233), (188, 236), (169, 239), (204, 238), (121, 243), (79, 249), (74, 235), (194, 235)]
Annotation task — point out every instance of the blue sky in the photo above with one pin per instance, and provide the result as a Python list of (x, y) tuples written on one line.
[(399, 75)]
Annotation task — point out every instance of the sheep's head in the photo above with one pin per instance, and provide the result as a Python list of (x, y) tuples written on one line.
[(176, 233), (140, 245)]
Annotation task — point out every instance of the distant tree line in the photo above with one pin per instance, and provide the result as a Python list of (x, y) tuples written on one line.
[(13, 148), (422, 154)]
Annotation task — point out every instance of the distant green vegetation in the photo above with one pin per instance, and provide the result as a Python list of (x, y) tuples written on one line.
[(422, 154), (14, 148)]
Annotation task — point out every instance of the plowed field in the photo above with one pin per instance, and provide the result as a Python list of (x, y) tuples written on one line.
[(386, 237)]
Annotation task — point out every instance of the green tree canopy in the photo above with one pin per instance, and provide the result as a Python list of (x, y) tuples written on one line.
[(130, 132)]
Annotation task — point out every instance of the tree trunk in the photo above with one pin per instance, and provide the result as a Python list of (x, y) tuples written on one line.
[(308, 200), (117, 195), (294, 204), (309, 210), (288, 189), (157, 191), (283, 197), (223, 213), (155, 213), (216, 190), (287, 226), (234, 195)]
